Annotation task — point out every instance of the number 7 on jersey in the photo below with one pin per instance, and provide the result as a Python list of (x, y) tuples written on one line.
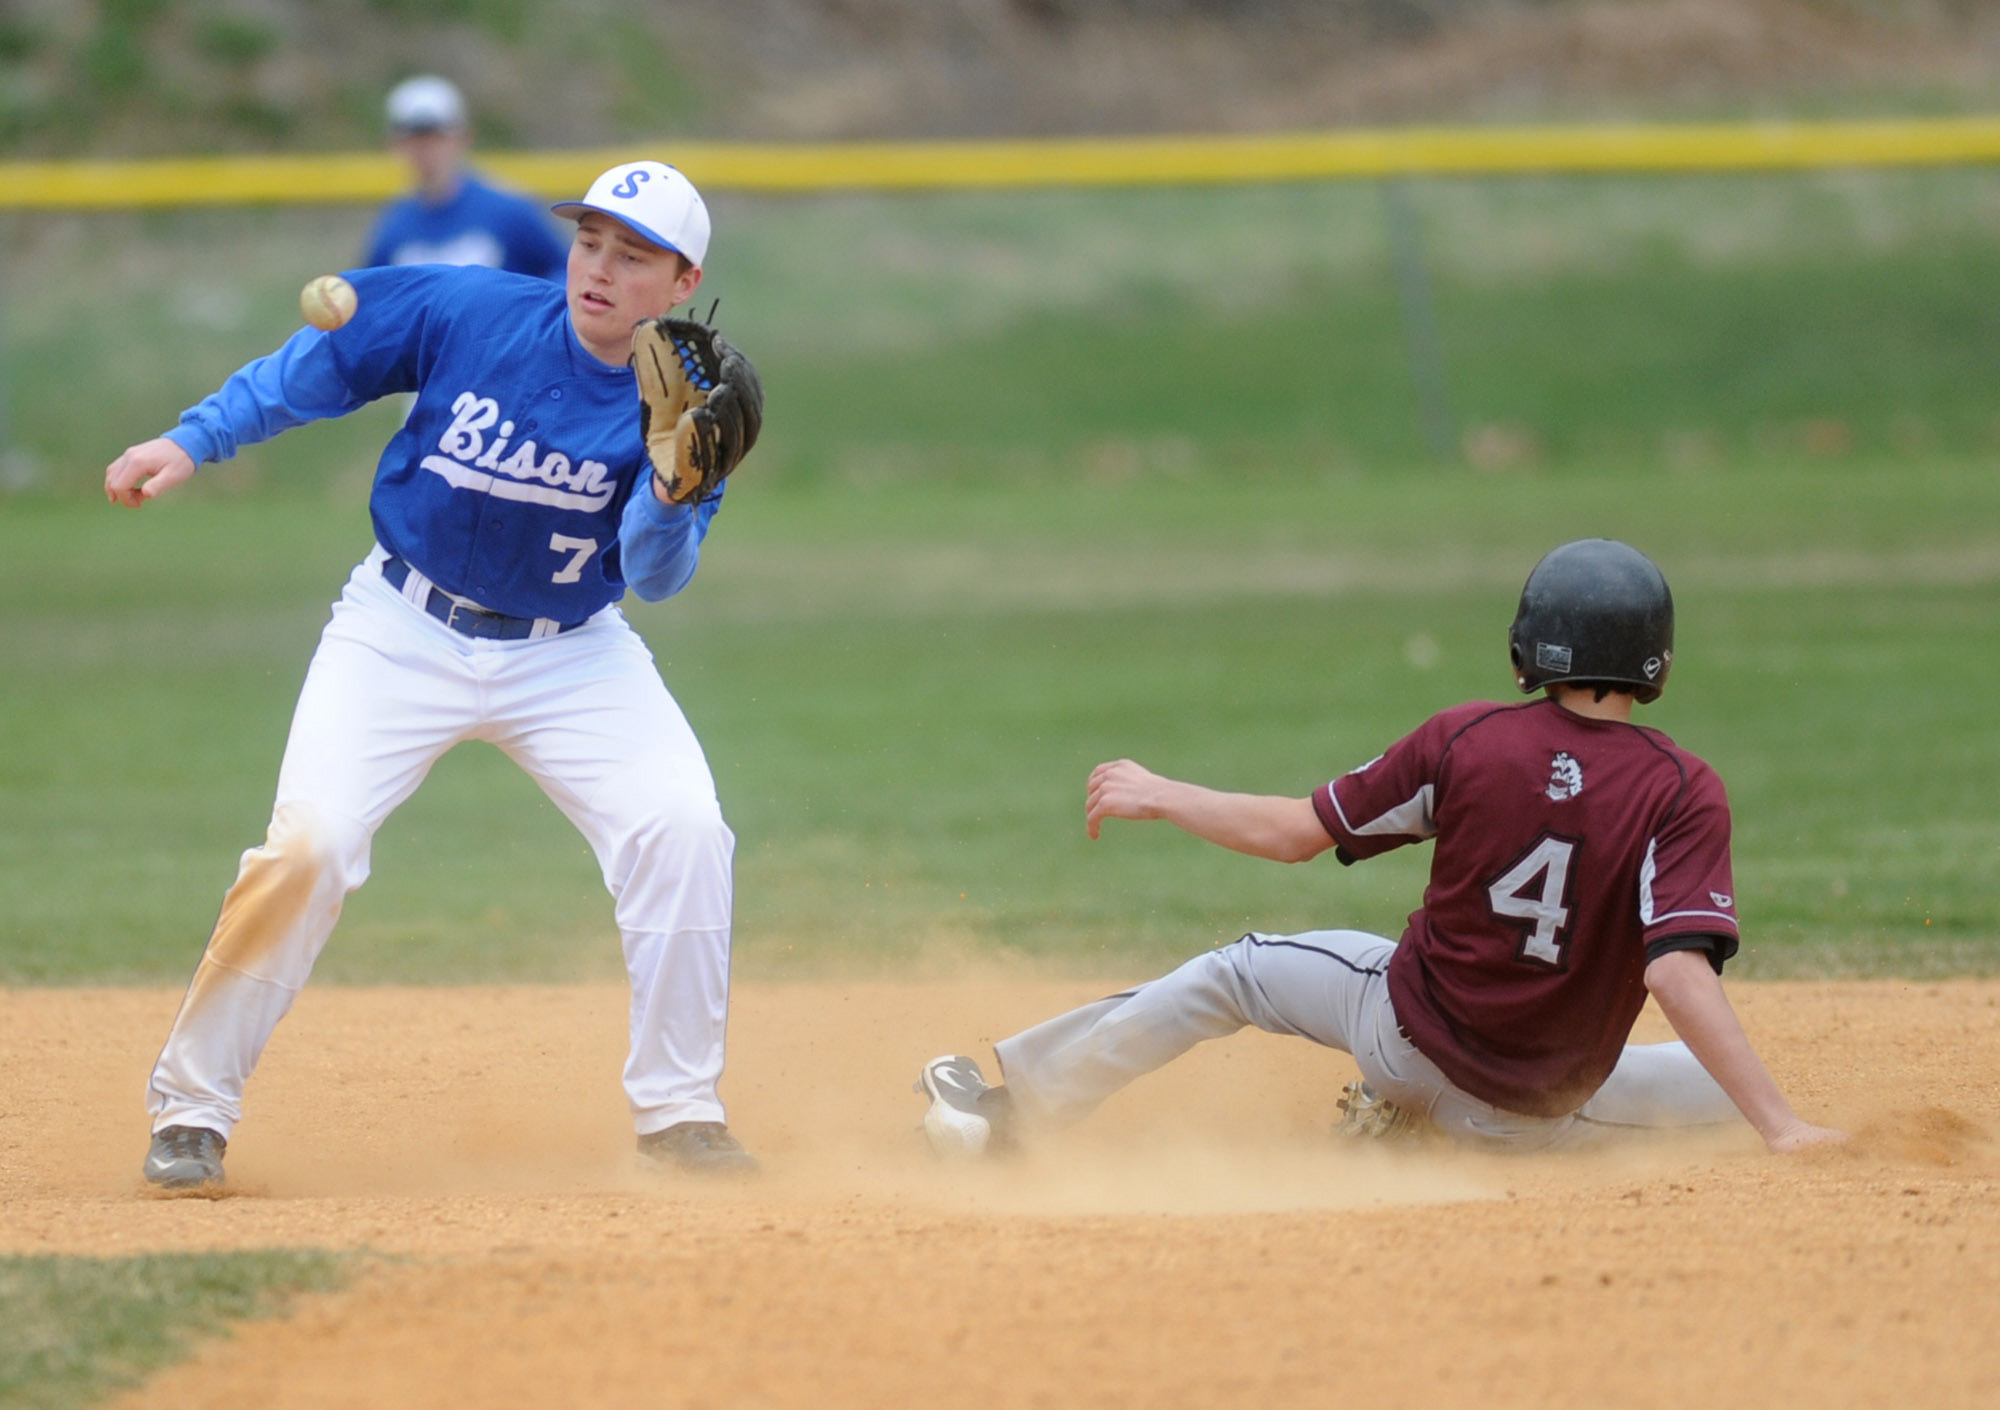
[(580, 549)]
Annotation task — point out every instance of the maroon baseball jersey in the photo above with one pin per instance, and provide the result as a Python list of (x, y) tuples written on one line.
[(1568, 851)]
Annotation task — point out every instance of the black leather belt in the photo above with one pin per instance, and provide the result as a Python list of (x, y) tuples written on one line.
[(466, 621)]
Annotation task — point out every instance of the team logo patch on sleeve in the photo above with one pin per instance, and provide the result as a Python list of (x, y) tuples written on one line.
[(1721, 900), (1565, 777)]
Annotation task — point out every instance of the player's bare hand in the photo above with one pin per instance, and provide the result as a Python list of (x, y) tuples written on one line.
[(146, 471), (1122, 789), (1803, 1135)]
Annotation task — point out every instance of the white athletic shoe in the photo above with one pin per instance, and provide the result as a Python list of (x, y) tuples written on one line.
[(966, 1118)]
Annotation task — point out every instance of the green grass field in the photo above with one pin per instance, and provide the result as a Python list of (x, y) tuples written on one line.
[(78, 1329), (1054, 478), (902, 688)]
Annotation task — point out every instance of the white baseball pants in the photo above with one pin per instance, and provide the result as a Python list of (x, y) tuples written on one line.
[(586, 715), (1330, 986)]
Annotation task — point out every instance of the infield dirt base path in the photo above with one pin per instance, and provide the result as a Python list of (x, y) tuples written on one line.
[(1201, 1243)]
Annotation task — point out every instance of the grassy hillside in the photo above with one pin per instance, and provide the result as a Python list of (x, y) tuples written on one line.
[(131, 76)]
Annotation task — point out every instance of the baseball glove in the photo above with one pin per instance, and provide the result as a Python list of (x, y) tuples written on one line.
[(701, 406)]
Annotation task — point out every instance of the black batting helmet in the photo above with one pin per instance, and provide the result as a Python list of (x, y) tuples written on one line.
[(1594, 610)]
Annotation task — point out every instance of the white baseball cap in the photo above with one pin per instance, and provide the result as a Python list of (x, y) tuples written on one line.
[(425, 103), (655, 200)]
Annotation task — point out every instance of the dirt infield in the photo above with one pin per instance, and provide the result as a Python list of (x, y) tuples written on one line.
[(1200, 1244)]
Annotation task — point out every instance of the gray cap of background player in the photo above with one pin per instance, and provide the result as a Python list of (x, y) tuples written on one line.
[(425, 103), (653, 199)]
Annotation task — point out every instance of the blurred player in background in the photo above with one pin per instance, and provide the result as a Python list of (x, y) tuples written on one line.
[(1581, 862), (452, 217)]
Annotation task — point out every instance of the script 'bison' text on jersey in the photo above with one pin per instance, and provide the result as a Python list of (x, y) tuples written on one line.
[(1570, 850)]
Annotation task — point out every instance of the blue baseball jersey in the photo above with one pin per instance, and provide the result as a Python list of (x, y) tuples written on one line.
[(511, 481), (478, 225)]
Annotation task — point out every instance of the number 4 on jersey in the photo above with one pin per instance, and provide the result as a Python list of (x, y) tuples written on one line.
[(1534, 889)]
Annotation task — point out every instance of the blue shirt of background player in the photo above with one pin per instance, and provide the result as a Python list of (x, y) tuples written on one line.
[(477, 225), (512, 480)]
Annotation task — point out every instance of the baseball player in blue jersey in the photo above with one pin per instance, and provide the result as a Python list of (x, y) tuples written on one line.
[(511, 511)]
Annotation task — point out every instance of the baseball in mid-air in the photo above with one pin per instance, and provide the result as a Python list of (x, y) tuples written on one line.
[(328, 301)]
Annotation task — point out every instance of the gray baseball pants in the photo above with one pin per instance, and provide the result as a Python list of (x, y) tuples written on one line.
[(1330, 986)]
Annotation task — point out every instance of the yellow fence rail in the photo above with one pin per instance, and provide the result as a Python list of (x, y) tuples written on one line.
[(1132, 161)]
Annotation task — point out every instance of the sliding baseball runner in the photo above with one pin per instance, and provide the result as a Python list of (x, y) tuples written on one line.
[(1581, 861)]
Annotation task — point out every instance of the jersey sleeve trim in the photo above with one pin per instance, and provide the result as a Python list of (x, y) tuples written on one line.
[(1648, 916), (1415, 817), (1666, 916), (1719, 948), (1327, 807)]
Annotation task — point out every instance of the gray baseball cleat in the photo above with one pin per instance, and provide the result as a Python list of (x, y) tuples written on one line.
[(698, 1148), (186, 1158), (1366, 1115), (966, 1117)]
